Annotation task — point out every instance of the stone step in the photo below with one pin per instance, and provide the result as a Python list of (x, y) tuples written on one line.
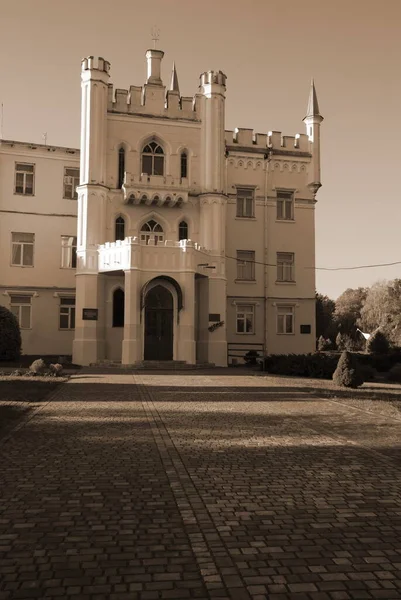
[(147, 365)]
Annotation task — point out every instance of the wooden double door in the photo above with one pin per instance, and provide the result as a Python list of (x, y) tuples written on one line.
[(159, 324)]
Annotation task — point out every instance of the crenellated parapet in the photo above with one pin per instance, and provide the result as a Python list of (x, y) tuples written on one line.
[(142, 101), (273, 142), (90, 63), (213, 77)]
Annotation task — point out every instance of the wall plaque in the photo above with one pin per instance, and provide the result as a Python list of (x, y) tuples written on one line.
[(89, 314), (305, 328), (214, 317)]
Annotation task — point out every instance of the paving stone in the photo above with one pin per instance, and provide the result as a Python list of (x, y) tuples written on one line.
[(199, 486)]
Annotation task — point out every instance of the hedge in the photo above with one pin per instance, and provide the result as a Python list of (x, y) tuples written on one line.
[(321, 365)]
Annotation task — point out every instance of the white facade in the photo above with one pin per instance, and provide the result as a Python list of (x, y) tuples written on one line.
[(193, 243)]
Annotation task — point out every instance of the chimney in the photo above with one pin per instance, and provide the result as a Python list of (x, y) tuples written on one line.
[(154, 60)]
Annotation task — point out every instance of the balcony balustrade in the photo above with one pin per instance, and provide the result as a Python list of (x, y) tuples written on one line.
[(156, 190), (153, 255)]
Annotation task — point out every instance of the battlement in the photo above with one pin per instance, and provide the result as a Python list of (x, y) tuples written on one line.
[(158, 103), (246, 140), (92, 64), (210, 77)]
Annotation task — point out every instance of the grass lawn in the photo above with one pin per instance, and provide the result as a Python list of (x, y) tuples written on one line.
[(19, 396)]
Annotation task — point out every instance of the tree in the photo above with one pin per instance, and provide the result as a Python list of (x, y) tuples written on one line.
[(382, 308), (348, 372), (324, 316), (348, 310), (10, 336), (378, 343)]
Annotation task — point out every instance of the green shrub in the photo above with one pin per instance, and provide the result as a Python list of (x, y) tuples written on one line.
[(38, 367), (323, 345), (394, 374), (317, 365), (348, 372), (378, 343), (10, 335), (56, 369)]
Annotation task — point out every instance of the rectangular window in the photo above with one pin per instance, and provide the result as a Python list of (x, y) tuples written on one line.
[(67, 313), (285, 206), (22, 249), (246, 265), (71, 181), (285, 266), (245, 318), (24, 179), (20, 306), (245, 203), (285, 319), (68, 252)]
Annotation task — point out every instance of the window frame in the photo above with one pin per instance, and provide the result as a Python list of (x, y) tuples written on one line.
[(68, 249), (121, 167), (154, 154), (152, 234), (184, 164), (20, 305), (117, 319), (240, 310), (119, 221), (241, 207), (74, 185), (181, 226), (16, 171), (22, 244), (282, 267), (288, 310), (68, 304), (251, 261), (285, 198)]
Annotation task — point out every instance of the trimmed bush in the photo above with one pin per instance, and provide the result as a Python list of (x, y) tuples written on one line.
[(318, 365), (324, 345), (348, 372), (10, 335), (38, 367), (378, 343), (56, 369), (394, 374)]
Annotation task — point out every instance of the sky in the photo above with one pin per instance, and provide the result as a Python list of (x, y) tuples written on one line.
[(269, 51)]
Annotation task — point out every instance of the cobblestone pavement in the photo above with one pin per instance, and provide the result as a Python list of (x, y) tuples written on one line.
[(199, 486)]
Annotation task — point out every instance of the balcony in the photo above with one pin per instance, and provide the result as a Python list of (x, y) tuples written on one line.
[(156, 190), (168, 256)]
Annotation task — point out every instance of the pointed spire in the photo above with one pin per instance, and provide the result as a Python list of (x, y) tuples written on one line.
[(313, 106), (174, 87)]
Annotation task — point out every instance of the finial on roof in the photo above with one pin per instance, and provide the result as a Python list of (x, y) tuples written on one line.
[(174, 87), (313, 106)]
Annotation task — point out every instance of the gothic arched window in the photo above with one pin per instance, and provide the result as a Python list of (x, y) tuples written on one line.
[(184, 165), (118, 308), (183, 230), (119, 228), (152, 232), (153, 159), (121, 167)]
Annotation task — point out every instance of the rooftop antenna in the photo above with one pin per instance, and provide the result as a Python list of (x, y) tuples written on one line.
[(44, 136), (155, 32)]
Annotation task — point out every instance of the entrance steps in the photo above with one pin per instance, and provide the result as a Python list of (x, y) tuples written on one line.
[(110, 366)]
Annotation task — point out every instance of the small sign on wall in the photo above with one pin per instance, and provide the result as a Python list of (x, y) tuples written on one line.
[(89, 314), (214, 318), (306, 329)]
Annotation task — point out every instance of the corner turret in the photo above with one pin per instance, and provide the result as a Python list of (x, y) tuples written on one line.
[(312, 122)]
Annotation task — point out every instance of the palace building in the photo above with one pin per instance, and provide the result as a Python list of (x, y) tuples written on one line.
[(165, 237)]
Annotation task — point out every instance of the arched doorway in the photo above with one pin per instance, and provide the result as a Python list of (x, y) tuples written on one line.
[(159, 319)]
